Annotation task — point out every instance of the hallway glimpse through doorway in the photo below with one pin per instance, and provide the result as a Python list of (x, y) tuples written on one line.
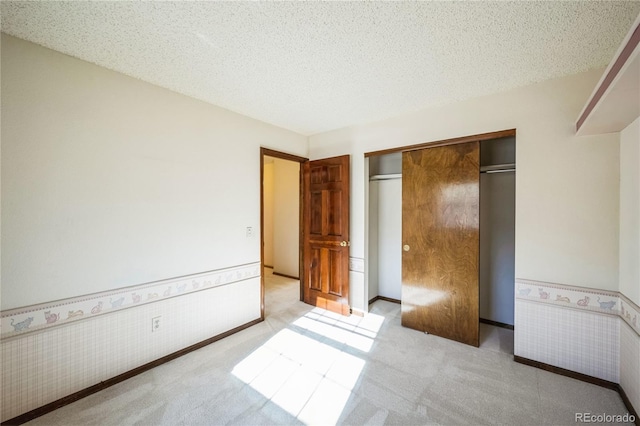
[(280, 216)]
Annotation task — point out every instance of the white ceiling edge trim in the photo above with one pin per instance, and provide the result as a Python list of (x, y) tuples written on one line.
[(614, 95), (623, 44)]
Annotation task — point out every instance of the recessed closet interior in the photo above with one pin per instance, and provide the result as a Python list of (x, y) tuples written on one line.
[(496, 234), (385, 227), (497, 229)]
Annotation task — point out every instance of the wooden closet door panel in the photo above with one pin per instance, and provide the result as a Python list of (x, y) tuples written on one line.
[(440, 234)]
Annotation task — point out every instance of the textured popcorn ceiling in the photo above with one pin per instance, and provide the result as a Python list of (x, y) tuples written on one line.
[(313, 67)]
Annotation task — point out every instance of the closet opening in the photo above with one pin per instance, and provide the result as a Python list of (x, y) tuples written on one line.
[(280, 232), (385, 228), (497, 242), (486, 199)]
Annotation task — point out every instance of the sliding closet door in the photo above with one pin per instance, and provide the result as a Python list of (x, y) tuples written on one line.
[(440, 237)]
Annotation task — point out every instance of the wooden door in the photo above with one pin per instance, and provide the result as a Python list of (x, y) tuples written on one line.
[(440, 234), (326, 234)]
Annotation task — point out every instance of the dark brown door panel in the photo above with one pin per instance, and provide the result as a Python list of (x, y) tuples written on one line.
[(440, 234)]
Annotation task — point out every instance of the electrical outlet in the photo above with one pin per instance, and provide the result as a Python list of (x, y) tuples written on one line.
[(249, 231), (155, 324)]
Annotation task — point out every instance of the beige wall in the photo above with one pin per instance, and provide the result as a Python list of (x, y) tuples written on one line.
[(286, 217), (268, 213), (108, 181), (566, 187), (630, 211), (630, 257)]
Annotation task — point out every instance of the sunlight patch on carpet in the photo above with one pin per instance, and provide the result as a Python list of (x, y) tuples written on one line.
[(310, 369)]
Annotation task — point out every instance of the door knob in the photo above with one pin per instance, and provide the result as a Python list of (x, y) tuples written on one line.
[(406, 247), (345, 244)]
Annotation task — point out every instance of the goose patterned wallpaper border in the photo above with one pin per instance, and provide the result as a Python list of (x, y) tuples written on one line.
[(582, 298), (19, 321), (630, 313)]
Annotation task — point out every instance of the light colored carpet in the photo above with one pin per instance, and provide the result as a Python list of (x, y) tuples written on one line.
[(308, 366)]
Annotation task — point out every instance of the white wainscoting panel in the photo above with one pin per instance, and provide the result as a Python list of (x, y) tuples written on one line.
[(630, 354), (571, 327), (584, 342), (42, 366)]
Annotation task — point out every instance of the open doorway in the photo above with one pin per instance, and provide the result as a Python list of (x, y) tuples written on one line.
[(281, 177)]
